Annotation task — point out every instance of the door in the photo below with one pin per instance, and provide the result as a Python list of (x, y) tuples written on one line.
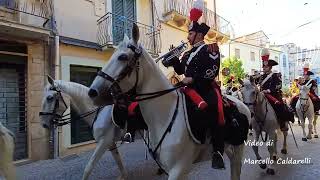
[(13, 101)]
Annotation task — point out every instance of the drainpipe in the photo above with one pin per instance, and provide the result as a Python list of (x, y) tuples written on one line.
[(57, 70), (57, 58), (153, 26), (54, 134)]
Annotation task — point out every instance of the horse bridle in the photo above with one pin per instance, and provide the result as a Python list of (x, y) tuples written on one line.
[(56, 105), (131, 95), (114, 88), (305, 107)]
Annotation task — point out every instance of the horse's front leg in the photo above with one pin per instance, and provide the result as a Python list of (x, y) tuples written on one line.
[(310, 126), (302, 124), (116, 156), (98, 152), (315, 126), (284, 145), (235, 154), (256, 149), (272, 151)]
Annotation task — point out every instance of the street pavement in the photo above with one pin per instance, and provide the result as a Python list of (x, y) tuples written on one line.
[(71, 167)]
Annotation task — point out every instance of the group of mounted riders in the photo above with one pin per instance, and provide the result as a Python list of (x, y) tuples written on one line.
[(201, 65)]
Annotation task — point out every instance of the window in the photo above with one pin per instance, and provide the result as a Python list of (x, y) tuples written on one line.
[(80, 131), (124, 12), (252, 56), (7, 3), (237, 53), (284, 61)]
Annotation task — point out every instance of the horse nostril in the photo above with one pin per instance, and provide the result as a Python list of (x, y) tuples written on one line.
[(92, 93)]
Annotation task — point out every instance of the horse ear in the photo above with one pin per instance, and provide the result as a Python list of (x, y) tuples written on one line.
[(135, 33), (240, 81), (125, 38), (50, 80)]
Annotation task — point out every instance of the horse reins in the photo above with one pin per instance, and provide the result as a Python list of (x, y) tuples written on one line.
[(132, 95), (59, 119)]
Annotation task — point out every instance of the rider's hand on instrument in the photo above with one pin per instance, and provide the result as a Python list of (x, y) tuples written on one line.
[(266, 91), (187, 80), (213, 48)]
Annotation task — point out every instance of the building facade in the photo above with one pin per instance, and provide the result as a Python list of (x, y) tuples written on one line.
[(25, 59), (71, 40), (248, 49)]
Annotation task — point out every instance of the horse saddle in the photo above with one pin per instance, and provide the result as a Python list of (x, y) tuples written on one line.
[(198, 123), (130, 116)]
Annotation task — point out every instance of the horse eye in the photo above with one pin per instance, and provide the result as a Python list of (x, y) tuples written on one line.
[(50, 98), (123, 57)]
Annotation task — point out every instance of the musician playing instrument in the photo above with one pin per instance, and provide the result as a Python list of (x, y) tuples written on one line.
[(201, 66)]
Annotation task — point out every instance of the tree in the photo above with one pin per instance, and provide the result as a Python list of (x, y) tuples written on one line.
[(235, 67)]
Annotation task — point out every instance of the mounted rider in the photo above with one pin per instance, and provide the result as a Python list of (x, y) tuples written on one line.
[(313, 89), (201, 65), (270, 84)]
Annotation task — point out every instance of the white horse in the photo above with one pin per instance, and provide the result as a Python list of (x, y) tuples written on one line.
[(305, 109), (104, 130), (132, 67), (7, 169), (265, 120)]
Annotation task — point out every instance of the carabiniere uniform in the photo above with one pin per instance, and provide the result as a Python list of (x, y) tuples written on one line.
[(203, 67), (274, 84)]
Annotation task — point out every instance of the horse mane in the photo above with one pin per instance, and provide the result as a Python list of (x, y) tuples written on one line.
[(154, 66), (78, 92)]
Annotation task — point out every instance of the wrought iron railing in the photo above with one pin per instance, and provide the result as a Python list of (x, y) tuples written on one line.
[(112, 27), (211, 18), (31, 12)]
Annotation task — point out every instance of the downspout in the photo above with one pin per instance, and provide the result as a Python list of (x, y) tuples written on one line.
[(153, 26), (54, 134)]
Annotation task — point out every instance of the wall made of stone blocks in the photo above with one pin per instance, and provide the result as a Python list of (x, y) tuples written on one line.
[(38, 68)]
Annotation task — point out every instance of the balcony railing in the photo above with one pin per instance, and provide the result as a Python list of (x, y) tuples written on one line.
[(112, 27), (28, 12), (211, 18)]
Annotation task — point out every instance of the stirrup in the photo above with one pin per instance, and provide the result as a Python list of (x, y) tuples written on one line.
[(127, 138)]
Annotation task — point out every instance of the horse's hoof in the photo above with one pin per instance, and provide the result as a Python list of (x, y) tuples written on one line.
[(263, 166), (309, 137), (160, 171), (284, 151), (274, 157), (316, 136), (270, 171), (304, 139)]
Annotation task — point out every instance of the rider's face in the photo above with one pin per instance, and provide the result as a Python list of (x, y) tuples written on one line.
[(194, 37), (191, 37), (266, 69)]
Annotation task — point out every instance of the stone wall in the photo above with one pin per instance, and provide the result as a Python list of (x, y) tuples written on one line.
[(38, 68)]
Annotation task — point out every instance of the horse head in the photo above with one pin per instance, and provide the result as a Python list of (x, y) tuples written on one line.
[(121, 73), (304, 94), (53, 105), (249, 92)]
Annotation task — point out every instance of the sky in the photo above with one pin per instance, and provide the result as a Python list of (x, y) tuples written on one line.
[(279, 19)]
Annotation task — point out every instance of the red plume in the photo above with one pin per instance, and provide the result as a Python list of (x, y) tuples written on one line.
[(196, 10), (195, 14)]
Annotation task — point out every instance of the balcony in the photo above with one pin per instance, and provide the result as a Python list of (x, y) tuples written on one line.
[(176, 13), (25, 18), (112, 27)]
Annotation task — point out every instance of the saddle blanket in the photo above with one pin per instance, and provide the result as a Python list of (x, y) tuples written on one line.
[(236, 129)]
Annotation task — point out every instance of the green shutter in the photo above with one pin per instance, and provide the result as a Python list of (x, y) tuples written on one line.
[(122, 10)]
